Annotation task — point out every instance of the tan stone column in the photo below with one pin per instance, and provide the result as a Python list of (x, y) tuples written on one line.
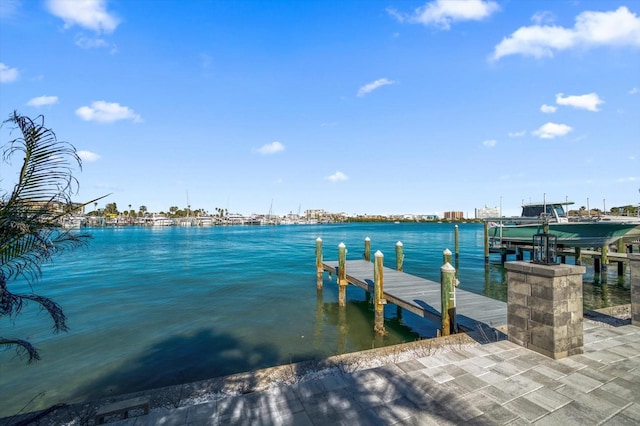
[(544, 308)]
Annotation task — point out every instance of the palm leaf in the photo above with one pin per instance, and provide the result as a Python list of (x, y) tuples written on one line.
[(30, 227), (30, 232)]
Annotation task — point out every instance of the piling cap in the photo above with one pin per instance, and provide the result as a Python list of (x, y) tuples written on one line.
[(319, 239), (367, 239), (379, 254), (399, 244), (341, 245), (447, 252), (447, 268)]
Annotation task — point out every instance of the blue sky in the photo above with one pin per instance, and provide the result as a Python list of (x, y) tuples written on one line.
[(362, 107)]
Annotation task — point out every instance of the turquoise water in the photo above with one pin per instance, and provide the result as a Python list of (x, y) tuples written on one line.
[(151, 307)]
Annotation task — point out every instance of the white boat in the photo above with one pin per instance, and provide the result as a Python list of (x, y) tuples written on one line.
[(73, 222), (580, 233), (158, 220)]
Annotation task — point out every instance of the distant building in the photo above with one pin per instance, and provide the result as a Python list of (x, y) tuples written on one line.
[(485, 212), (453, 215)]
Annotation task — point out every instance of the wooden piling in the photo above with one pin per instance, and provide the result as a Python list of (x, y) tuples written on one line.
[(620, 245), (486, 242), (319, 269), (378, 293), (446, 256), (448, 298), (399, 256), (342, 275), (605, 258), (367, 249), (456, 242), (578, 254)]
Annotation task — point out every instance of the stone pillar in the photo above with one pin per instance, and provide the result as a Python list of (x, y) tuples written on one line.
[(634, 266), (544, 308)]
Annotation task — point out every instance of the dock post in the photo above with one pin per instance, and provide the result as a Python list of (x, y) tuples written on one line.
[(399, 263), (399, 256), (456, 242), (448, 298), (621, 247), (342, 275), (578, 256), (446, 256), (605, 259), (367, 249), (486, 242), (634, 266), (319, 270), (378, 293)]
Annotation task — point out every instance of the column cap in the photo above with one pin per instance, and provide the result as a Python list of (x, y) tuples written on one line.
[(544, 270)]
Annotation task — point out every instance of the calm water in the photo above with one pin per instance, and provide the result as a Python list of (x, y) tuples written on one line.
[(150, 307)]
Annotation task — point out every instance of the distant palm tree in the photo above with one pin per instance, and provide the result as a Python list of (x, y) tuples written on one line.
[(31, 229)]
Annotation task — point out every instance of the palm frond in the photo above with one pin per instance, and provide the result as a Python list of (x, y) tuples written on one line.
[(30, 230), (47, 172), (53, 309), (23, 347)]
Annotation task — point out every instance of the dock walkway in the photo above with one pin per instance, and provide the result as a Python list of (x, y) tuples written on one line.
[(422, 297)]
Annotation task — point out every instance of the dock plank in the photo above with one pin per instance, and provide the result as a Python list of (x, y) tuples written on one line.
[(422, 297)]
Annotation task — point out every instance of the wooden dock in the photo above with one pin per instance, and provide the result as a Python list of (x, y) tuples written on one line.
[(422, 297)]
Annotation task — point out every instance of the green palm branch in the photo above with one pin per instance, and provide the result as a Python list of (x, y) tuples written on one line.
[(31, 232)]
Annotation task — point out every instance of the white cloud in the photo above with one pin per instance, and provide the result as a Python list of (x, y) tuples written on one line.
[(7, 74), (544, 17), (88, 156), (337, 177), (589, 101), (548, 109), (517, 134), (368, 88), (107, 112), (270, 148), (441, 13), (490, 143), (592, 29), (88, 14), (629, 179), (42, 101), (634, 91), (552, 130), (94, 43)]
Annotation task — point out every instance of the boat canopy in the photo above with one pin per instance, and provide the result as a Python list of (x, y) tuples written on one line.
[(552, 210)]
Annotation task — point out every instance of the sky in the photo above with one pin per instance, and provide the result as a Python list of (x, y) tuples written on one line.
[(361, 107)]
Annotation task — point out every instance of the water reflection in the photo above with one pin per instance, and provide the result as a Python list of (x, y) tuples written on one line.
[(354, 323)]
